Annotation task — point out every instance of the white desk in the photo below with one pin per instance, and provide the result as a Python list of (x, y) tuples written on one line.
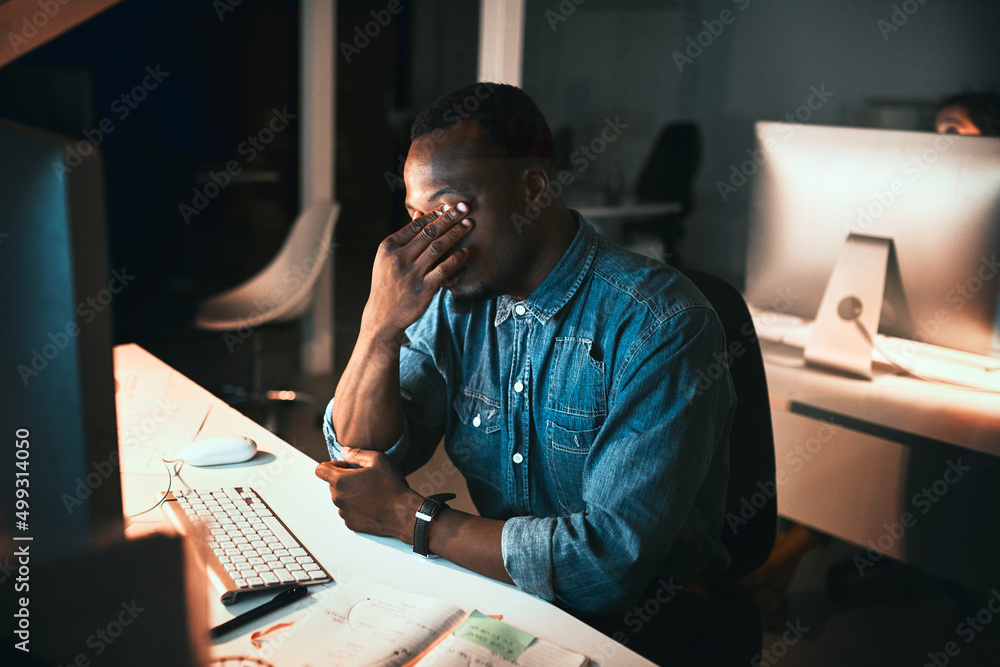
[(284, 477), (855, 456)]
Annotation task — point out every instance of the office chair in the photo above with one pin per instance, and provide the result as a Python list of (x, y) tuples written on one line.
[(668, 176), (280, 293), (739, 628)]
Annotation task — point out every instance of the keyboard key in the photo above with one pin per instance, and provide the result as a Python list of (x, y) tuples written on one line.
[(269, 578), (279, 531)]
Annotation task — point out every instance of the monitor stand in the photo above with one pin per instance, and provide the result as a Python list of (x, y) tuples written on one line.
[(852, 305)]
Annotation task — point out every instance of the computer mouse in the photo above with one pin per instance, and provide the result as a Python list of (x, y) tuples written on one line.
[(219, 451)]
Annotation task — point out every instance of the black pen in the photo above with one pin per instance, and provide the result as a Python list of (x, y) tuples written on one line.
[(280, 600)]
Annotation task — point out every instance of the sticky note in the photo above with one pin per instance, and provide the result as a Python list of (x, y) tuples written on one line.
[(504, 640)]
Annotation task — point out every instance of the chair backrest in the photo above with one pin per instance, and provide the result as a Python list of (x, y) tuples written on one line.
[(283, 289), (670, 168), (751, 502)]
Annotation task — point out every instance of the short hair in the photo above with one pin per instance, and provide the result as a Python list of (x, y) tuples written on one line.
[(512, 123), (983, 110)]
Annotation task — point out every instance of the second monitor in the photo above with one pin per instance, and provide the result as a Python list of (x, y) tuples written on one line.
[(936, 197)]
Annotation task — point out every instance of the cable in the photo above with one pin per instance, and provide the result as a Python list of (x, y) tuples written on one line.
[(855, 316), (177, 465)]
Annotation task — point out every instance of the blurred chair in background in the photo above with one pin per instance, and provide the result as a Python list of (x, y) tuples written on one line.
[(668, 176), (279, 294)]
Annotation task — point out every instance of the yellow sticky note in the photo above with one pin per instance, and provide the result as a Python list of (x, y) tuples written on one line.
[(500, 638)]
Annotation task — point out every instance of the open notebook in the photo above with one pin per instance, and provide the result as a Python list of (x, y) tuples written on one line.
[(364, 623)]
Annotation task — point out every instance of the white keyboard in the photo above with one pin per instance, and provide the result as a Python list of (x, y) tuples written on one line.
[(253, 549)]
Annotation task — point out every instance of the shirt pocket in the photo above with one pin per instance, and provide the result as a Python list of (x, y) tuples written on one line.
[(476, 440), (576, 380), (567, 457), (477, 411)]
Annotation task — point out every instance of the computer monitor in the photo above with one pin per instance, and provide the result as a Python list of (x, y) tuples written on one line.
[(913, 214), (62, 475)]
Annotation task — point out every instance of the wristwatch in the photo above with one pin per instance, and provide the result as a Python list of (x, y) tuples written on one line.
[(421, 527)]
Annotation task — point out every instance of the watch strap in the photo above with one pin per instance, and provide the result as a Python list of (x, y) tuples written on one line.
[(421, 526)]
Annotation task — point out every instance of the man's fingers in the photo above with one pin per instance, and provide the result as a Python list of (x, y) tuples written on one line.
[(363, 457), (442, 271), (329, 470), (428, 226)]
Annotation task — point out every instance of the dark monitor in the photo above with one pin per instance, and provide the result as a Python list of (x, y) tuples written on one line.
[(58, 387), (929, 203)]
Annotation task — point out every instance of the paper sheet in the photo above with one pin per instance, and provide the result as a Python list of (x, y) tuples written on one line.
[(500, 638), (457, 652), (149, 431), (147, 385), (352, 624)]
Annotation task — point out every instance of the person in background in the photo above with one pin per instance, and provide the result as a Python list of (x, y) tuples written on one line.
[(975, 114)]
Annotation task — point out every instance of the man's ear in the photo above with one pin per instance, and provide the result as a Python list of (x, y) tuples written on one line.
[(536, 182)]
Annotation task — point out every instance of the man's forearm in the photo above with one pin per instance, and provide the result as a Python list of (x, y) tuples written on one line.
[(368, 412)]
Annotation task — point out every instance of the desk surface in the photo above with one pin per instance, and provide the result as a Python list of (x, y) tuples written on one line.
[(284, 477), (958, 416)]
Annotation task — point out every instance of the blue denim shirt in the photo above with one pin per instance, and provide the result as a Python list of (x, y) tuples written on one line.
[(576, 416)]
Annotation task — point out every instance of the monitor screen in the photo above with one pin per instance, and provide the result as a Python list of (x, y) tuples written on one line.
[(58, 389), (936, 196)]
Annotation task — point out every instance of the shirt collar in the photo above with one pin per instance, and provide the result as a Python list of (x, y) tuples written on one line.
[(563, 280)]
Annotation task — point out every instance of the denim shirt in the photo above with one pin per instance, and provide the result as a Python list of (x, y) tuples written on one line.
[(575, 415)]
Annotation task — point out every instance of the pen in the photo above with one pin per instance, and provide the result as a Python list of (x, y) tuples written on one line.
[(280, 600)]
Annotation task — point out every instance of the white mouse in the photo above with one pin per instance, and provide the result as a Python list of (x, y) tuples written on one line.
[(219, 451)]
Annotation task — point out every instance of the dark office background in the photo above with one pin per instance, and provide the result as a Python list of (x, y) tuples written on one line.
[(228, 71)]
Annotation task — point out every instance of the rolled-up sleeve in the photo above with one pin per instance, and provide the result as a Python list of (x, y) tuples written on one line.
[(654, 481)]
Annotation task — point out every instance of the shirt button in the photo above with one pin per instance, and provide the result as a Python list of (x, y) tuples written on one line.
[(476, 421), (518, 387), (517, 458), (520, 310)]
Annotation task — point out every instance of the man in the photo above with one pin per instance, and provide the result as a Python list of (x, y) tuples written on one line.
[(561, 370)]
